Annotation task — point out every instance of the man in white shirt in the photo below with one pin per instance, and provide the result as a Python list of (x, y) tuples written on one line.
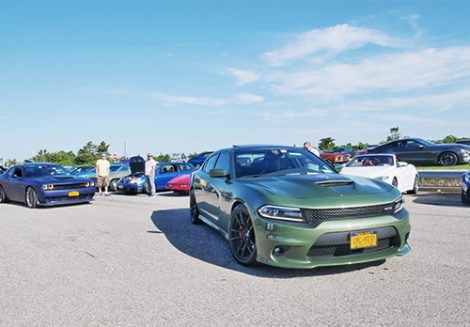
[(308, 146), (150, 167)]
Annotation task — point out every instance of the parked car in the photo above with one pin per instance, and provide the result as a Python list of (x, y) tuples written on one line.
[(422, 152), (179, 184), (116, 171), (135, 182), (465, 142), (44, 184), (466, 188), (335, 157), (198, 160), (79, 169), (283, 206), (387, 168)]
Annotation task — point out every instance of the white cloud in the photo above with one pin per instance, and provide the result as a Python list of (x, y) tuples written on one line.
[(329, 41), (397, 72), (243, 77), (243, 98)]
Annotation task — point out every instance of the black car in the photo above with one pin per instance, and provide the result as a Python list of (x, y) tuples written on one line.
[(422, 152), (466, 142)]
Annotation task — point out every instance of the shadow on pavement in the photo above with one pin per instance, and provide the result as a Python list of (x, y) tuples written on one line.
[(448, 200), (206, 244)]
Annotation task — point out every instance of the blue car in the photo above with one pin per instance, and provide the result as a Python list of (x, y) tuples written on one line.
[(44, 184), (135, 182), (116, 171), (466, 188), (198, 160)]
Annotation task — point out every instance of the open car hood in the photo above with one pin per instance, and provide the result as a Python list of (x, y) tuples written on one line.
[(137, 164)]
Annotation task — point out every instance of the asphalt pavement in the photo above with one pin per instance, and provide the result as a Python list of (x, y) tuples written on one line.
[(138, 261)]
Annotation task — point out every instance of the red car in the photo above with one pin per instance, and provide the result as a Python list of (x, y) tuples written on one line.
[(179, 184)]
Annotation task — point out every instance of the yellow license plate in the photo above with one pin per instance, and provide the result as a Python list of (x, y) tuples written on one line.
[(74, 193), (363, 240)]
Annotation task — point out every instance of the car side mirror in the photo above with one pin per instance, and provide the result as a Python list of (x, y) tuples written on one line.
[(218, 173), (402, 164)]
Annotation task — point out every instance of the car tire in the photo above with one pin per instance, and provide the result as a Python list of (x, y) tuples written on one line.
[(415, 189), (448, 159), (242, 236), (113, 185), (31, 198), (395, 182), (193, 209), (3, 196), (465, 198)]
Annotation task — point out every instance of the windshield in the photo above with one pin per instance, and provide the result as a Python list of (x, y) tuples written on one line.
[(367, 161), (275, 161), (43, 171)]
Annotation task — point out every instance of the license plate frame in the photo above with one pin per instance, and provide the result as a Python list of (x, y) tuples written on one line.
[(363, 240)]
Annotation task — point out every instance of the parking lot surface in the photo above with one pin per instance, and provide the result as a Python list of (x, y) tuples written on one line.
[(138, 261)]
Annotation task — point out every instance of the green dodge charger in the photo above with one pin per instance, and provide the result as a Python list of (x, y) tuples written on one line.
[(285, 207)]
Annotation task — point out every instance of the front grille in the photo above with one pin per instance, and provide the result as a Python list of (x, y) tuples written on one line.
[(344, 250), (69, 186), (67, 198), (316, 216)]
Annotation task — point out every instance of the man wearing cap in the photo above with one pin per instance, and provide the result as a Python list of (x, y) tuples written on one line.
[(150, 167), (102, 174)]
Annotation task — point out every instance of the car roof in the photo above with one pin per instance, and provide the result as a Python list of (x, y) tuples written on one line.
[(259, 147), (376, 155)]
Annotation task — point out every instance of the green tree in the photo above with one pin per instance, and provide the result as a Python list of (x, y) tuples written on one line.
[(87, 154), (163, 157), (103, 148), (326, 143), (394, 134), (450, 139)]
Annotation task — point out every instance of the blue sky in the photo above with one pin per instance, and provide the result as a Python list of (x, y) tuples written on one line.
[(174, 76)]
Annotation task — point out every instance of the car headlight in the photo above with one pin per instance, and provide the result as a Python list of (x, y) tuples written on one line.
[(47, 187), (466, 178), (89, 184), (384, 178), (281, 213), (398, 206)]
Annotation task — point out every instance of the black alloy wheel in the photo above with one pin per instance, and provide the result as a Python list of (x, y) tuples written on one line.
[(3, 196), (113, 185), (31, 198), (194, 211), (465, 197), (448, 159), (242, 236)]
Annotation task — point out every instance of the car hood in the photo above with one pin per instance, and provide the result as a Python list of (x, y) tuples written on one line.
[(370, 172), (323, 190), (60, 179), (183, 179)]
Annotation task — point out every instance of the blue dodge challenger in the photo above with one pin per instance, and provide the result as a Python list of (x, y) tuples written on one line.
[(44, 184)]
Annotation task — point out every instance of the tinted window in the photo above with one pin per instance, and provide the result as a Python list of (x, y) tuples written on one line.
[(184, 167), (18, 172), (223, 162), (165, 169), (210, 163), (114, 168)]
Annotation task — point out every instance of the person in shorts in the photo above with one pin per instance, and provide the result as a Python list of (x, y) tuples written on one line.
[(102, 174), (150, 167)]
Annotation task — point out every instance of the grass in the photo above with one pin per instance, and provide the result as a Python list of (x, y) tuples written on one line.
[(457, 167)]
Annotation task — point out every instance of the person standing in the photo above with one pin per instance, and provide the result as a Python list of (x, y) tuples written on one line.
[(102, 174), (150, 167), (308, 146)]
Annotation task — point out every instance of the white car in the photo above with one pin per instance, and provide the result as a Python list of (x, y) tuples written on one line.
[(387, 168)]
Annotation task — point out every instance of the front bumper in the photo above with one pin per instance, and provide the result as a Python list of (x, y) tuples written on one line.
[(300, 243), (129, 187), (60, 197)]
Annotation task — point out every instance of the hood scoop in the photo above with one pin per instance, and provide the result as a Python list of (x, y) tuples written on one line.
[(331, 183)]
